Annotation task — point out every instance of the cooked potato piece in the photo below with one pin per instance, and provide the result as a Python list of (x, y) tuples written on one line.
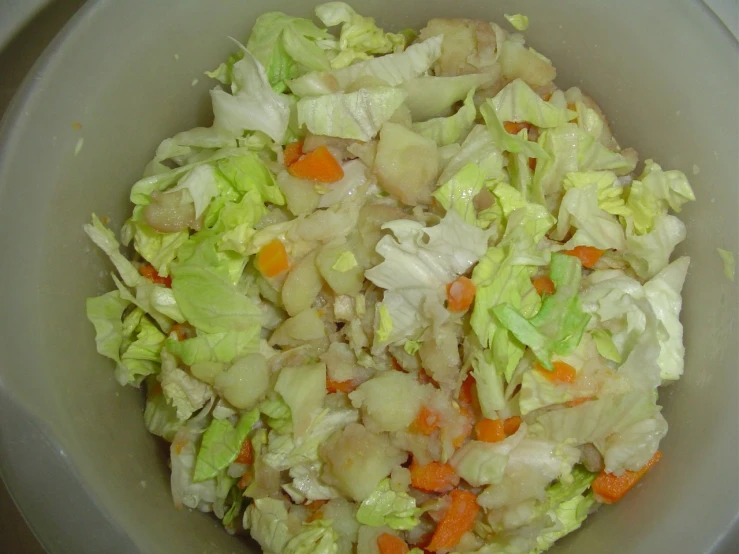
[(407, 164), (302, 285), (356, 460), (519, 62), (469, 46), (170, 212), (245, 383), (304, 327), (334, 265), (300, 194), (391, 400)]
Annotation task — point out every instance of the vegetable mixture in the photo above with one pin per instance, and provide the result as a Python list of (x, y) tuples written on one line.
[(404, 295)]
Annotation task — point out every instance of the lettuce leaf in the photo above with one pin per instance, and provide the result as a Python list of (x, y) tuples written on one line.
[(356, 115), (727, 257), (159, 417), (360, 38), (434, 96), (392, 69), (266, 521), (478, 148), (650, 253), (142, 356), (221, 445), (253, 106), (610, 193), (396, 510), (418, 263), (453, 129), (580, 208), (560, 323), (459, 192), (183, 391), (517, 102), (506, 141), (216, 347), (654, 193), (303, 388), (105, 312), (106, 241)]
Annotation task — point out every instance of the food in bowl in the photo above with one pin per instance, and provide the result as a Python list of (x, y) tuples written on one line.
[(405, 293)]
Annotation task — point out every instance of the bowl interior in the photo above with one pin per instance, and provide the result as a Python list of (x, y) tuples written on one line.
[(132, 74)]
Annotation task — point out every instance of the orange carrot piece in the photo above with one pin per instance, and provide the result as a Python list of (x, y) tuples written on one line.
[(589, 255), (460, 294), (610, 489), (426, 379), (490, 430), (543, 285), (292, 152), (466, 428), (514, 128), (427, 422), (272, 259), (511, 425), (315, 511), (338, 386), (390, 544), (246, 454), (458, 520), (396, 364), (467, 391), (319, 165), (433, 477), (148, 272), (532, 164), (562, 372), (245, 480)]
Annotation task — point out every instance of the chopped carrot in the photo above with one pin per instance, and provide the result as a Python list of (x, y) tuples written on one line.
[(245, 480), (514, 128), (272, 259), (315, 511), (459, 519), (246, 454), (338, 386), (562, 372), (547, 97), (390, 544), (182, 331), (543, 285), (460, 294), (490, 430), (610, 489), (319, 165), (589, 255), (532, 164), (148, 272), (427, 422), (433, 477), (511, 425), (292, 152), (396, 364), (572, 107), (466, 428), (467, 391), (426, 379)]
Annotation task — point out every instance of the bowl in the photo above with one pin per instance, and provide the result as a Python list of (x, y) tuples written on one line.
[(124, 75)]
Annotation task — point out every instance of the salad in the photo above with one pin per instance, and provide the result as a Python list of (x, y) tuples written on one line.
[(404, 295)]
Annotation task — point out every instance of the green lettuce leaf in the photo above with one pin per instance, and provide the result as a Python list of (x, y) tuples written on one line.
[(142, 356), (277, 414), (317, 537), (499, 280), (221, 445), (490, 385), (356, 115), (106, 241), (453, 129), (518, 21), (430, 97), (397, 510), (478, 148), (105, 312), (266, 521), (159, 417), (569, 517), (211, 303), (392, 69), (517, 102), (483, 463), (183, 391), (650, 253), (360, 38), (610, 194), (303, 388), (595, 227), (216, 347), (606, 347), (253, 106), (727, 258), (560, 323), (459, 192), (654, 193), (506, 141)]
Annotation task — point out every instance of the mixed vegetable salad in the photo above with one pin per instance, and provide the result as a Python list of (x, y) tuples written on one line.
[(404, 295)]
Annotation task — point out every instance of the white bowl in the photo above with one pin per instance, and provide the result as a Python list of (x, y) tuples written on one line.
[(73, 447)]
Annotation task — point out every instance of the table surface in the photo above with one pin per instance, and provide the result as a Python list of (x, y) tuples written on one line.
[(15, 61)]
